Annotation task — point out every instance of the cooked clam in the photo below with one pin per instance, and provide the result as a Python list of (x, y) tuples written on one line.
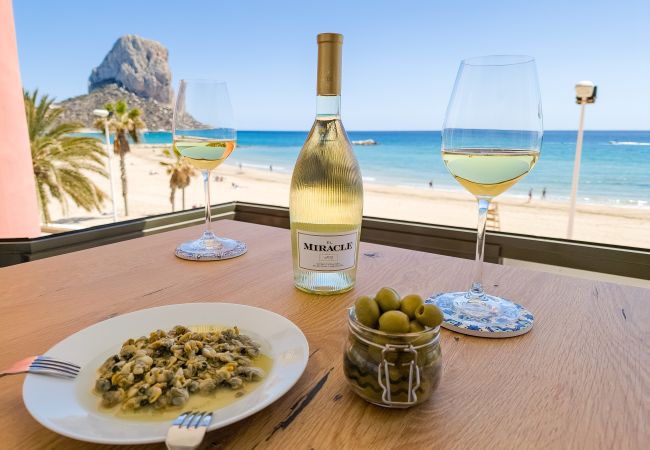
[(163, 369)]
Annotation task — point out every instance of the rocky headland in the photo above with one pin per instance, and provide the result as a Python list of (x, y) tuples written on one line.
[(135, 70)]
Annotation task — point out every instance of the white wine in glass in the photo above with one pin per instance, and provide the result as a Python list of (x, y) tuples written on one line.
[(204, 153), (488, 172), (204, 135), (491, 139)]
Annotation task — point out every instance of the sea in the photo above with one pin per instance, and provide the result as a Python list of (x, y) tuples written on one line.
[(615, 165)]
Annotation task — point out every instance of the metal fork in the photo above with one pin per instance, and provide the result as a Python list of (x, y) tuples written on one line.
[(44, 365), (188, 430)]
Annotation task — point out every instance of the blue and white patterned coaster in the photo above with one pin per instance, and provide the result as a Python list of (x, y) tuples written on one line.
[(515, 324)]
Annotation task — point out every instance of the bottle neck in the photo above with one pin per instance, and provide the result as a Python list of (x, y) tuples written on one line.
[(328, 107)]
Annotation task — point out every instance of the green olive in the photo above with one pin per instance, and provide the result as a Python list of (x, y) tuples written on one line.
[(428, 356), (409, 304), (367, 311), (395, 374), (376, 351), (424, 338), (394, 322), (429, 315), (388, 299), (377, 355), (415, 326), (358, 355)]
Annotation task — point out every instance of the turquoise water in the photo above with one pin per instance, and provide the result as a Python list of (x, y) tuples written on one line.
[(615, 165)]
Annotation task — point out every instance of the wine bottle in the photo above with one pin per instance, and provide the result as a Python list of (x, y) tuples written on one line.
[(326, 199)]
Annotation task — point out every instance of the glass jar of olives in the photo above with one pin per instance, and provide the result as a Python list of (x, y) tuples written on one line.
[(394, 370)]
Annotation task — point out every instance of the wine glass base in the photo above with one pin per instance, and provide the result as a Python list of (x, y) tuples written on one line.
[(210, 248), (482, 316)]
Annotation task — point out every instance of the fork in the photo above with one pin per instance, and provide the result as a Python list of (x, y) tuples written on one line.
[(188, 430), (44, 365)]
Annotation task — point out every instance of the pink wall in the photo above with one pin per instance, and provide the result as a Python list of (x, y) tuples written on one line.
[(19, 215)]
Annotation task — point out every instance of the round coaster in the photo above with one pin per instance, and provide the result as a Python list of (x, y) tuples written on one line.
[(193, 252), (516, 321)]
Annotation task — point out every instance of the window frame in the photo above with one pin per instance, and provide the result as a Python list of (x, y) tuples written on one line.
[(445, 240)]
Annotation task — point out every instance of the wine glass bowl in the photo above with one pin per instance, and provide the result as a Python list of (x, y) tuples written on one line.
[(491, 139), (204, 135)]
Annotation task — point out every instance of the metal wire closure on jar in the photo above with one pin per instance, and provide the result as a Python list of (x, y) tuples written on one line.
[(385, 363)]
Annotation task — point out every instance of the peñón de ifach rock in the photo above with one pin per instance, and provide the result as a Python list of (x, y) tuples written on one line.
[(139, 66)]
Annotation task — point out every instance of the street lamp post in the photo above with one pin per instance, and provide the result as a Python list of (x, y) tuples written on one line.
[(105, 115), (585, 93)]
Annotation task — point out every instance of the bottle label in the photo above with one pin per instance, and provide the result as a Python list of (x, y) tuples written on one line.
[(324, 252)]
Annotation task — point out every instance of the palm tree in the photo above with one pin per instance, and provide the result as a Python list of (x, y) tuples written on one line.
[(181, 174), (59, 159), (122, 121)]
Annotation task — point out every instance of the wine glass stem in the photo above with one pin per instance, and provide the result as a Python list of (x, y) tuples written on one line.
[(477, 280), (206, 188)]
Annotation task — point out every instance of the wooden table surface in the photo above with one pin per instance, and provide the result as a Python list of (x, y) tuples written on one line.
[(579, 379)]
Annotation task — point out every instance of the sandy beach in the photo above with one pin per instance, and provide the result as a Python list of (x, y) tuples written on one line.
[(149, 191)]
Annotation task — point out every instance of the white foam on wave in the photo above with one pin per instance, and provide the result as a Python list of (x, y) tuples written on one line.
[(629, 143), (369, 178), (259, 166)]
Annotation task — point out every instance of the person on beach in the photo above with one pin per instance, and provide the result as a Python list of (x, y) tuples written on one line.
[(431, 184), (530, 195), (270, 167), (544, 193)]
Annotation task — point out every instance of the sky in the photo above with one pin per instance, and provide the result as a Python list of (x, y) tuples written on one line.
[(399, 57)]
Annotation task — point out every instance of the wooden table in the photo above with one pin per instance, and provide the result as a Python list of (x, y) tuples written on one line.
[(579, 379)]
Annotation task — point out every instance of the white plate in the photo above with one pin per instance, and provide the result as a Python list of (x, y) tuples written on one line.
[(70, 408)]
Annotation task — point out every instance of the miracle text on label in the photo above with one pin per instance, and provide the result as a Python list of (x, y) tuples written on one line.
[(328, 247)]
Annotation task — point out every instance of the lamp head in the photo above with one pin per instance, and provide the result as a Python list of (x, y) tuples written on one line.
[(100, 113), (585, 92)]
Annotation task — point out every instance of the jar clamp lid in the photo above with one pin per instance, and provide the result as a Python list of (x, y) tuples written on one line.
[(385, 364)]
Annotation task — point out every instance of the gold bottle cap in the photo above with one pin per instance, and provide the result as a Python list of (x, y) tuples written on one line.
[(329, 37), (329, 64)]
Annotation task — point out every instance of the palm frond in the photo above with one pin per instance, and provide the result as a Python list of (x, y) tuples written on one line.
[(64, 129), (60, 159), (121, 107), (134, 113), (179, 170), (81, 189)]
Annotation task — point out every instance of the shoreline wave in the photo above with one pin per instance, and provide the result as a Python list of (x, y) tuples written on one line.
[(629, 143)]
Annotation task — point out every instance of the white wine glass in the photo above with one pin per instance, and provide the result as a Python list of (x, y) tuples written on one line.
[(491, 139), (204, 134)]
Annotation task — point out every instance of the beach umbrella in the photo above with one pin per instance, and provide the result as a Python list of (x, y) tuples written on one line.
[(585, 93), (104, 114)]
